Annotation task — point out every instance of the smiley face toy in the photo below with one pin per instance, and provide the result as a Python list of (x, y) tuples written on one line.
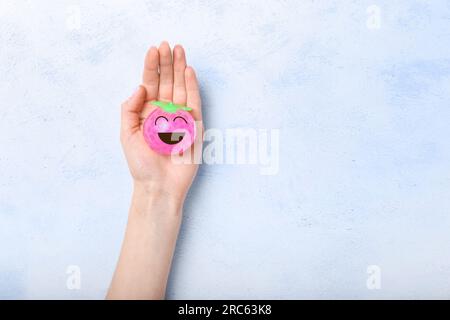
[(170, 128)]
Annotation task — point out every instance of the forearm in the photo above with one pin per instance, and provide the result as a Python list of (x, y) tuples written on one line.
[(147, 251)]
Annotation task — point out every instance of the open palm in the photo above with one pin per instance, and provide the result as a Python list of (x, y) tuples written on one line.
[(166, 77)]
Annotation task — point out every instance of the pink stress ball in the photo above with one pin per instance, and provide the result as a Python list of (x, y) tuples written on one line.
[(170, 128)]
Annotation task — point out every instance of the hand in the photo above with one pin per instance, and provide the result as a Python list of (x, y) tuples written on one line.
[(166, 77)]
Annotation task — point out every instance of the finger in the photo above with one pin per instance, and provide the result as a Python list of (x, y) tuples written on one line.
[(131, 110), (179, 67), (166, 72), (193, 93), (150, 77)]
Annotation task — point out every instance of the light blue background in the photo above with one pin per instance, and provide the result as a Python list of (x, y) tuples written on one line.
[(364, 172)]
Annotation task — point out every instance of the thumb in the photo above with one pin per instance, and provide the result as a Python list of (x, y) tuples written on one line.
[(131, 110)]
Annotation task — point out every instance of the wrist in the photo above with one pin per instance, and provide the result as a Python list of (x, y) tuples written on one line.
[(154, 198)]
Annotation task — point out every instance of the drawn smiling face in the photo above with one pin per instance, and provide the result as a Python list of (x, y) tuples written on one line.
[(169, 132)]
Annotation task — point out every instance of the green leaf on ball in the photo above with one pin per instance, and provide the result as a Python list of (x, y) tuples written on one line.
[(170, 107)]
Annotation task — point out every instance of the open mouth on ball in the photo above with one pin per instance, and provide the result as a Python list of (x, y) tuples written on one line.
[(171, 137)]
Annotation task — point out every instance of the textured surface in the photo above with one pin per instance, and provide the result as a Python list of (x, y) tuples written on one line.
[(361, 96)]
